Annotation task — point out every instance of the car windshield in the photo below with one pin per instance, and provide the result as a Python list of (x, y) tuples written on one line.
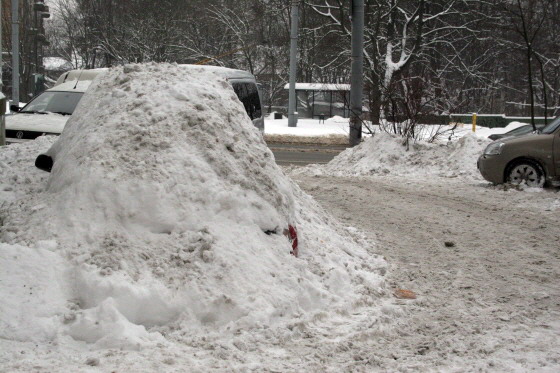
[(552, 126), (521, 130), (53, 102)]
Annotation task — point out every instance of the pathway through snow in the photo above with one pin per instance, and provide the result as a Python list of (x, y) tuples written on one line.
[(490, 303)]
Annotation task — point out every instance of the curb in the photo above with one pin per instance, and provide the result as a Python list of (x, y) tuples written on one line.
[(307, 140)]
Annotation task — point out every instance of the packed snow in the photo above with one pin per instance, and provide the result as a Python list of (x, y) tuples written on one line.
[(157, 243), (50, 122), (386, 154), (161, 229), (482, 261)]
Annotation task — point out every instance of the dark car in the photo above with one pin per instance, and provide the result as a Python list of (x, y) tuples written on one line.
[(519, 131), (533, 159)]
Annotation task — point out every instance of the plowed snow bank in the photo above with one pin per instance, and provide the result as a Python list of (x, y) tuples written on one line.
[(385, 154), (164, 215)]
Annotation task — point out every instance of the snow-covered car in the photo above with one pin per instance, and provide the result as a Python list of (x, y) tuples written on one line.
[(47, 113), (246, 88), (181, 105), (533, 159)]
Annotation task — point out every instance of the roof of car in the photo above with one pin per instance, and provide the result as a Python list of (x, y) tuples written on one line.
[(80, 80), (223, 71), (80, 74), (76, 80), (71, 86)]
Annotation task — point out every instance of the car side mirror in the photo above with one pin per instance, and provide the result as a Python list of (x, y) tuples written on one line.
[(14, 108), (44, 162)]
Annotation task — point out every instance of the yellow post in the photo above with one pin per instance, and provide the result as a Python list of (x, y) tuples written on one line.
[(474, 122)]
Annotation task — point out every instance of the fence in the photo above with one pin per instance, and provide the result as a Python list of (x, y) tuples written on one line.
[(493, 120), (484, 120)]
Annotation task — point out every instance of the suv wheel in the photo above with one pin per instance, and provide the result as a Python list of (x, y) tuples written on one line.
[(526, 171)]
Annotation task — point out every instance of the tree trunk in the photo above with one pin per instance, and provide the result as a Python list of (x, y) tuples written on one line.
[(530, 78)]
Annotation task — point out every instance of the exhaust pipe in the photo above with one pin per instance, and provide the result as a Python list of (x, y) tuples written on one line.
[(44, 162)]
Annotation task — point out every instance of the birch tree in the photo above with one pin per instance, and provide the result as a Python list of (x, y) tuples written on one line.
[(398, 33)]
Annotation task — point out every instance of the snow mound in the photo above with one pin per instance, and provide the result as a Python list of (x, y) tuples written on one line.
[(34, 290), (164, 215), (385, 154)]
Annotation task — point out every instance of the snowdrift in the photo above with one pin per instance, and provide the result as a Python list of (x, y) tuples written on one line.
[(163, 217), (384, 154)]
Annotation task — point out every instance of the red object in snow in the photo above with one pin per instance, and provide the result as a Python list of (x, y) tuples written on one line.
[(291, 233)]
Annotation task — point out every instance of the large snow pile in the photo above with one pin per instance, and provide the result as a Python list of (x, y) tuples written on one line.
[(385, 154), (162, 220)]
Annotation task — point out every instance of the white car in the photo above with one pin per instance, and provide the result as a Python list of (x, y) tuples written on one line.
[(47, 113)]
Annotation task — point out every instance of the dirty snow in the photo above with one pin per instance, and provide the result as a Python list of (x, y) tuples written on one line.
[(482, 260), (487, 301), (385, 154), (138, 254), (157, 241)]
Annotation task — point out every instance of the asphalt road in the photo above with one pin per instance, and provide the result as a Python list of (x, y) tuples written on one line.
[(302, 154)]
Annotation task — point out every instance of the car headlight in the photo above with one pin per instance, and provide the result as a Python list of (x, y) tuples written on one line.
[(494, 149)]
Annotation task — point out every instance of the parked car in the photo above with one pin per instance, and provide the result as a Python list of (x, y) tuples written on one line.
[(519, 131), (246, 88), (533, 159), (48, 112)]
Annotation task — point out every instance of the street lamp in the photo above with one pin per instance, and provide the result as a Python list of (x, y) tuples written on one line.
[(357, 75), (292, 116)]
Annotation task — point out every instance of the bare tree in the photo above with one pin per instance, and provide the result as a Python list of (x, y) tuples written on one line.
[(527, 18), (456, 55), (398, 33)]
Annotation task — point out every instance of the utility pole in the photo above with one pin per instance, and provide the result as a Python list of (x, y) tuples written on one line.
[(292, 116), (357, 77), (2, 98), (15, 52), (1, 51)]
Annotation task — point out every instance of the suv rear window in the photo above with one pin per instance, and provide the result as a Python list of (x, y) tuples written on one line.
[(249, 96)]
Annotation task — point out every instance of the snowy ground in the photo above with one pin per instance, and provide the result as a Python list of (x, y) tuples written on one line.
[(156, 245), (483, 260), (62, 312), (157, 242), (336, 129), (487, 303)]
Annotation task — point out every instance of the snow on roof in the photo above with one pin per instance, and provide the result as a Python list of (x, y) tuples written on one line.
[(80, 74), (67, 81), (73, 86), (224, 71), (319, 87), (162, 220)]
